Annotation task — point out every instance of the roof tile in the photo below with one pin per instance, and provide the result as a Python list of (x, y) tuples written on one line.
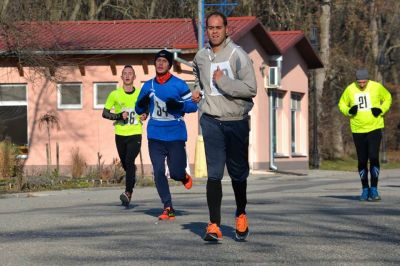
[(121, 34)]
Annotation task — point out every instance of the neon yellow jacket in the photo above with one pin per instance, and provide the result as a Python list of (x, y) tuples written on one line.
[(121, 101), (373, 95)]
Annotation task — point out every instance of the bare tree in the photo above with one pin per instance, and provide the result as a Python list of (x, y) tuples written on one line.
[(50, 120)]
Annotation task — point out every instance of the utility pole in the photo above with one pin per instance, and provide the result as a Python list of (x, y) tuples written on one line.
[(383, 66), (315, 152)]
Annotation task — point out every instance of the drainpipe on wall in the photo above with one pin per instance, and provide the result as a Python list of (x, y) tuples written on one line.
[(182, 61), (272, 166)]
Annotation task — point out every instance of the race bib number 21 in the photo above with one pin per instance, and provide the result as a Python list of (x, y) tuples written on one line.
[(363, 101)]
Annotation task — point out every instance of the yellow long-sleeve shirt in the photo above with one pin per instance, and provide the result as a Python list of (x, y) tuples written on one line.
[(373, 95)]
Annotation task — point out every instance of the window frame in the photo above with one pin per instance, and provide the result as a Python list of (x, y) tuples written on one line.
[(277, 109), (295, 120), (19, 103), (15, 103), (96, 105), (69, 106)]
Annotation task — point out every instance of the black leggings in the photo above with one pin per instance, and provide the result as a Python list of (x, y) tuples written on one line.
[(367, 146), (128, 148)]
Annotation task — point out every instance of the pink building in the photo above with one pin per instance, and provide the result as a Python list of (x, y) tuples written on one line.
[(96, 52)]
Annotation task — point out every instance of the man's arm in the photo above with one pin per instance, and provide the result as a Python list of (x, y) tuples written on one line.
[(386, 99), (344, 104), (111, 116), (143, 101), (196, 94)]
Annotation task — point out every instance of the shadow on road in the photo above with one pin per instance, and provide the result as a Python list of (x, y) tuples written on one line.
[(342, 197), (199, 228)]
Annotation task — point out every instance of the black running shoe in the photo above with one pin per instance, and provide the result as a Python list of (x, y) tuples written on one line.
[(125, 198)]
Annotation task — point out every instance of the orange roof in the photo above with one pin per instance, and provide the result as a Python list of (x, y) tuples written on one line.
[(123, 36), (288, 39), (115, 35)]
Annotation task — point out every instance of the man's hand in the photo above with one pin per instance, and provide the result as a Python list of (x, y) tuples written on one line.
[(124, 115), (143, 117), (174, 105), (218, 73), (196, 96), (353, 110), (376, 111)]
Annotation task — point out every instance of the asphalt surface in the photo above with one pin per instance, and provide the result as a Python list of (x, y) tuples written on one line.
[(312, 219)]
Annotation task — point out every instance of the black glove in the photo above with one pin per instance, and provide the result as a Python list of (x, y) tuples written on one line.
[(353, 110), (376, 111), (174, 105), (144, 102)]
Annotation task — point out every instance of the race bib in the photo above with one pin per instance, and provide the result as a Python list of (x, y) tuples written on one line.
[(363, 101), (160, 110), (131, 116), (224, 67)]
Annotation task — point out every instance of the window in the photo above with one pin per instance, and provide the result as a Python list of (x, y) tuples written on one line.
[(13, 113), (101, 92), (295, 114), (277, 100), (70, 96)]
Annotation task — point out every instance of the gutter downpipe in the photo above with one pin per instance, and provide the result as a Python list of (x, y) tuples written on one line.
[(269, 91), (182, 61), (272, 165)]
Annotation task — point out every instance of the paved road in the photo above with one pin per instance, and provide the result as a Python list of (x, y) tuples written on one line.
[(313, 219)]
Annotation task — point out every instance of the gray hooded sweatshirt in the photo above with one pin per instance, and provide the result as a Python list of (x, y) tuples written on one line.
[(231, 97)]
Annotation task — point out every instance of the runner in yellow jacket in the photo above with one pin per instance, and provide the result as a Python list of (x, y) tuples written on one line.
[(128, 127), (365, 102)]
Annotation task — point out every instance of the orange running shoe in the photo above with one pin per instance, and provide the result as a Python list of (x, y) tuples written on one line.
[(213, 233), (242, 228), (167, 214), (188, 182)]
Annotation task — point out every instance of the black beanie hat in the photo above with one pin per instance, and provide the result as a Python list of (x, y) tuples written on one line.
[(167, 55)]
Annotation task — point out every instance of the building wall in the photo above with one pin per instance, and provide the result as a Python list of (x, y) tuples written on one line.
[(83, 128), (259, 134), (94, 136), (294, 80)]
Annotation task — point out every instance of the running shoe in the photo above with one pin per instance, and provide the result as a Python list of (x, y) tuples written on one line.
[(125, 198), (374, 194), (213, 233), (364, 194), (167, 214), (188, 182), (242, 227)]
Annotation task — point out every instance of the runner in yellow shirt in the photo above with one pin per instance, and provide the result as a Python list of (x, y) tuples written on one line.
[(128, 127), (365, 102)]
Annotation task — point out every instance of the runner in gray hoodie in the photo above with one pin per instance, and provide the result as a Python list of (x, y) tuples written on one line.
[(224, 87)]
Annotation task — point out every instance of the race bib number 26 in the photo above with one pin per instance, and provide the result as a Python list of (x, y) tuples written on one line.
[(131, 117)]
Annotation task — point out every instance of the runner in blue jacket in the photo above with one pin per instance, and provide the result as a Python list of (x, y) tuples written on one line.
[(167, 99)]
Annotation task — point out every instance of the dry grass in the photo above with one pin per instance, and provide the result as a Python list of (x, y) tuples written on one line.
[(78, 163), (10, 166)]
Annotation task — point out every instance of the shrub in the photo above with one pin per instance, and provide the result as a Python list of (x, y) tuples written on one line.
[(78, 163), (10, 165)]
